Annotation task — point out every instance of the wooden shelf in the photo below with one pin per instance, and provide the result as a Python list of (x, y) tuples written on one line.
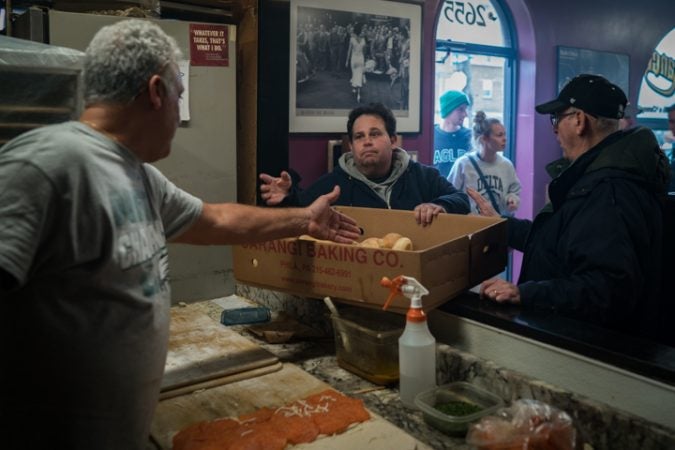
[(35, 109)]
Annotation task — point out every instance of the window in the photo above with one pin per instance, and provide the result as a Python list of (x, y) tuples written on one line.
[(475, 54), (487, 89)]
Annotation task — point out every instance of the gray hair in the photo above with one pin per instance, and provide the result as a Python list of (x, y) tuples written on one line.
[(603, 125), (122, 57), (606, 124)]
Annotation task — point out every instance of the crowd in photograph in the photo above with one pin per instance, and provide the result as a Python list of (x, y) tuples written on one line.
[(356, 47)]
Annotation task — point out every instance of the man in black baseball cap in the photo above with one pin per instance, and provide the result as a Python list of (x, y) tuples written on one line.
[(592, 106), (590, 93), (592, 252)]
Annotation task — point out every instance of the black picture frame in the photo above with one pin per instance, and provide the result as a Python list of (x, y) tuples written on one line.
[(322, 86), (573, 61)]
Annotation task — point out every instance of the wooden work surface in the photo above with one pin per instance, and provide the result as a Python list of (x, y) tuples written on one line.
[(204, 353), (272, 390)]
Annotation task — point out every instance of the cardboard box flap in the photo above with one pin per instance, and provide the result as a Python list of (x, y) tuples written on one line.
[(488, 250)]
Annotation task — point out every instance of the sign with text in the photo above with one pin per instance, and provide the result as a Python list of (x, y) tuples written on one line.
[(209, 45), (657, 90), (477, 21), (184, 103)]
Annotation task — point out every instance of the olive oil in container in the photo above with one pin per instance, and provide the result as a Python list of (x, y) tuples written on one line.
[(366, 343)]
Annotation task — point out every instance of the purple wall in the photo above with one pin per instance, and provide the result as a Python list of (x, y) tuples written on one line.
[(623, 26), (628, 27)]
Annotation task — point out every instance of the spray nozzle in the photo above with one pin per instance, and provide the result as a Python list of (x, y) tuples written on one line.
[(407, 286), (394, 288)]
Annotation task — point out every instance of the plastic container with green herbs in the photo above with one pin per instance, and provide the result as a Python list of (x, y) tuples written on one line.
[(451, 408)]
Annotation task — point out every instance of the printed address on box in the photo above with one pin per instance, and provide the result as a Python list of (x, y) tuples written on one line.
[(317, 284), (314, 268)]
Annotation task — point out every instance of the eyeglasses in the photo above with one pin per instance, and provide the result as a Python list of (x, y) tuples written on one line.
[(556, 118)]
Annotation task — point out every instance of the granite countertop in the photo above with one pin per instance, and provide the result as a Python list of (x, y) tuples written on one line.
[(596, 423), (317, 357)]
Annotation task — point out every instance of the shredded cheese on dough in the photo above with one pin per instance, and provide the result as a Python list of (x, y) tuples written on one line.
[(243, 422), (208, 431), (303, 409)]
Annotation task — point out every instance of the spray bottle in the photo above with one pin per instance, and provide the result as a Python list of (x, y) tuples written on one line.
[(416, 346)]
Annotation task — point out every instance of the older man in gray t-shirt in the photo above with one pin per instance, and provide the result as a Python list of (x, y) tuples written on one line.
[(84, 221)]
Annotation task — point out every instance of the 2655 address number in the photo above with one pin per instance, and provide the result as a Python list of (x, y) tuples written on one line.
[(464, 13)]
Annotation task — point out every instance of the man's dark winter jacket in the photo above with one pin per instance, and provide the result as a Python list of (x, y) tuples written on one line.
[(411, 184), (594, 252)]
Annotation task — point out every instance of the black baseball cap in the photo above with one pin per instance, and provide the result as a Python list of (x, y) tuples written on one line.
[(590, 93)]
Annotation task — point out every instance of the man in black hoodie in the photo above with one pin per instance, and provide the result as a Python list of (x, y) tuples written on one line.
[(376, 173), (593, 252)]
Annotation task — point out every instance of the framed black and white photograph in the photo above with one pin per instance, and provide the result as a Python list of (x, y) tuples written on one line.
[(350, 53)]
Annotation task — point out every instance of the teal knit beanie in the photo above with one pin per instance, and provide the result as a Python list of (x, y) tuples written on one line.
[(451, 100)]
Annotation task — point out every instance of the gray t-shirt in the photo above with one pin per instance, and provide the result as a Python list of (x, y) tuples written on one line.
[(84, 225)]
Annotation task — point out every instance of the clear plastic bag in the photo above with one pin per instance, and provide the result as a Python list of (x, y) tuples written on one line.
[(525, 425)]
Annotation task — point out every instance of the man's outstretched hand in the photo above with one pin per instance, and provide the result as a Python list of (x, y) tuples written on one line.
[(328, 224), (273, 190)]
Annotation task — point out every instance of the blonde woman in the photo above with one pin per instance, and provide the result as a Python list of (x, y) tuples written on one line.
[(486, 170), (356, 59)]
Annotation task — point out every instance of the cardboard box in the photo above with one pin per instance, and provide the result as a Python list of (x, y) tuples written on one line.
[(453, 254)]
